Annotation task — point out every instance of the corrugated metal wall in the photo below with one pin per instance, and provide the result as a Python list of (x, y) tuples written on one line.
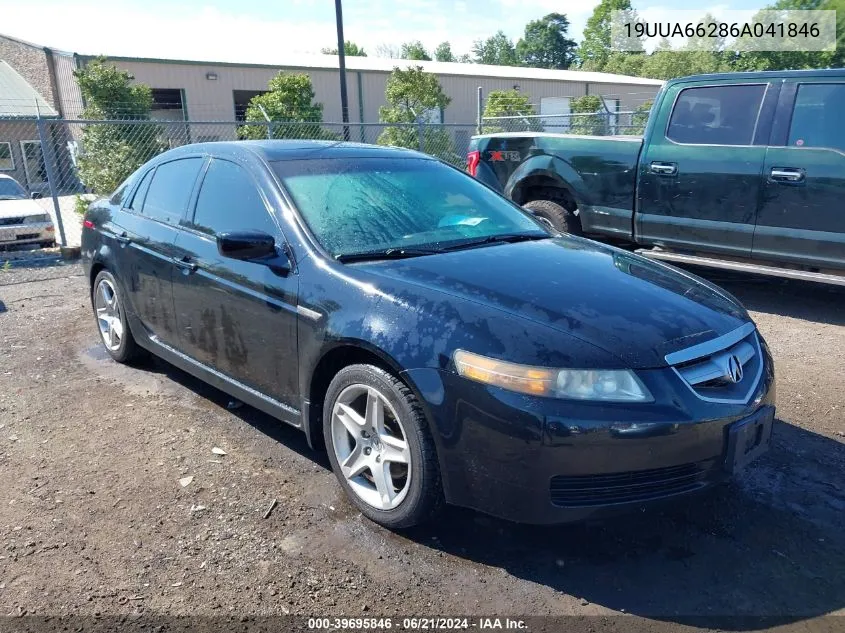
[(212, 100)]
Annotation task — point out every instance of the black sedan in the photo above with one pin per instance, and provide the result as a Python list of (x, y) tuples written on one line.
[(442, 344)]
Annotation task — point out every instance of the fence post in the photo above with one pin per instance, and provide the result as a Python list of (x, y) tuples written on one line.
[(420, 134), (47, 153), (478, 120)]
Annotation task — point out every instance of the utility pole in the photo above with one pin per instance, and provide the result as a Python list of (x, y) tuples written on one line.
[(341, 55)]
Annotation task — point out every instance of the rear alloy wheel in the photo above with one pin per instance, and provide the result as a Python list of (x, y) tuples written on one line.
[(111, 318), (380, 448)]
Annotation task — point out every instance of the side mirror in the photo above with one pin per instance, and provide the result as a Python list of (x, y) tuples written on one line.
[(251, 246), (35, 195), (246, 245)]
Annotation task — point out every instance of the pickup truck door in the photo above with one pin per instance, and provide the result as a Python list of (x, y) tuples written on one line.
[(802, 211), (700, 173)]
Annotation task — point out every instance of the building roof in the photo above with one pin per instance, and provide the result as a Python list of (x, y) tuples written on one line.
[(380, 64), (18, 99)]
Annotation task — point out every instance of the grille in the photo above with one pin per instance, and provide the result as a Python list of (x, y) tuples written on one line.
[(710, 369), (11, 221), (628, 487)]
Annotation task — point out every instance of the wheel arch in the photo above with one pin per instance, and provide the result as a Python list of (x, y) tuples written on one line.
[(333, 359)]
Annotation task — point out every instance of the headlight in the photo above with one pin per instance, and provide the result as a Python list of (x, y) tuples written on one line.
[(610, 385), (36, 219)]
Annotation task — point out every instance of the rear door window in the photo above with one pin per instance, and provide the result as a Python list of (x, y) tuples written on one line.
[(817, 118), (716, 115), (170, 190)]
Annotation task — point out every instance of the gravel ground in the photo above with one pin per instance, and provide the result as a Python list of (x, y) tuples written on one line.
[(94, 519)]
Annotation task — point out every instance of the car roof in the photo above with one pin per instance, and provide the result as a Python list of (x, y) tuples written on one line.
[(276, 150)]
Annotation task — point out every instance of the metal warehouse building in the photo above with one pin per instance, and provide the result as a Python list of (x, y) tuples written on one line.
[(188, 92), (218, 90)]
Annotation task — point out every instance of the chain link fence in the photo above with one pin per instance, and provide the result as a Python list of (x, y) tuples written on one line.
[(627, 123), (60, 161)]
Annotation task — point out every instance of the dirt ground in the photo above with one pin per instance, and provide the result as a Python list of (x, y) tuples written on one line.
[(94, 519)]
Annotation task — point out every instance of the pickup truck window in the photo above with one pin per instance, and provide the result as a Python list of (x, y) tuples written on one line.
[(817, 117), (716, 115)]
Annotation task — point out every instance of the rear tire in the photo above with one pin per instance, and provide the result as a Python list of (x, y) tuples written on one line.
[(110, 315), (380, 447), (556, 215)]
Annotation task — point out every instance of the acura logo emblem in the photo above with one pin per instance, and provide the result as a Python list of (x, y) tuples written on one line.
[(734, 369)]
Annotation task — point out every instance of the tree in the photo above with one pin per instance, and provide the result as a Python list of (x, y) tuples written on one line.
[(112, 151), (497, 50), (415, 51), (594, 123), (350, 49), (595, 49), (639, 118), (412, 95), (751, 59), (546, 44), (509, 103), (443, 53), (289, 105)]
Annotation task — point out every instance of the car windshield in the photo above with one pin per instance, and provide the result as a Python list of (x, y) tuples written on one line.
[(11, 190), (399, 207)]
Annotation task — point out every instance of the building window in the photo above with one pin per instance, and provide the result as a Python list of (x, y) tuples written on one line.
[(242, 99), (7, 161)]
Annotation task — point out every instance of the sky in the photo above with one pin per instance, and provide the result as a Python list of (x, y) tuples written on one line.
[(212, 29)]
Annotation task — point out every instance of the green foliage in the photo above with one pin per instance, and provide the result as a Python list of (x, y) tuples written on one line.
[(497, 50), (415, 51), (350, 49), (506, 103), (81, 202), (110, 94), (289, 104), (443, 53), (594, 51), (112, 151), (546, 44), (638, 119), (411, 94), (7, 266), (593, 124)]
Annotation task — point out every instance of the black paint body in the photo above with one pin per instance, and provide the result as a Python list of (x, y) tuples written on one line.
[(266, 333)]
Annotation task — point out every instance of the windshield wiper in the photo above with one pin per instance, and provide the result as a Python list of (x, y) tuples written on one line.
[(504, 238), (388, 253)]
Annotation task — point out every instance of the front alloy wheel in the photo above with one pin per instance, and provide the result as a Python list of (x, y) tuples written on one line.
[(380, 447), (370, 446)]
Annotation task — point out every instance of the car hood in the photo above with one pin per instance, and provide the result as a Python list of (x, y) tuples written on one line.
[(633, 308), (16, 208)]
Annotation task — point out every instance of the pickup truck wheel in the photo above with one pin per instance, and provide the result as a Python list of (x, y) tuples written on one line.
[(556, 215)]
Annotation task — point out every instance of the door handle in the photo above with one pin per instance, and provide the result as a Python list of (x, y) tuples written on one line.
[(787, 175), (185, 264), (663, 169), (123, 239)]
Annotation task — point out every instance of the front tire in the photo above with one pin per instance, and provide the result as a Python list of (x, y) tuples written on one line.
[(380, 447), (558, 216), (110, 315)]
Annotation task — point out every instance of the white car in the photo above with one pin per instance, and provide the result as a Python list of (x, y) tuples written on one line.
[(22, 221)]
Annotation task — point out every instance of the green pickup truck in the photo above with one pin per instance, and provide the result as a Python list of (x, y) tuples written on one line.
[(743, 171)]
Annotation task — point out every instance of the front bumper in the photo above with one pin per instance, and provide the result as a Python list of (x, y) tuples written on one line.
[(35, 233), (540, 460)]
